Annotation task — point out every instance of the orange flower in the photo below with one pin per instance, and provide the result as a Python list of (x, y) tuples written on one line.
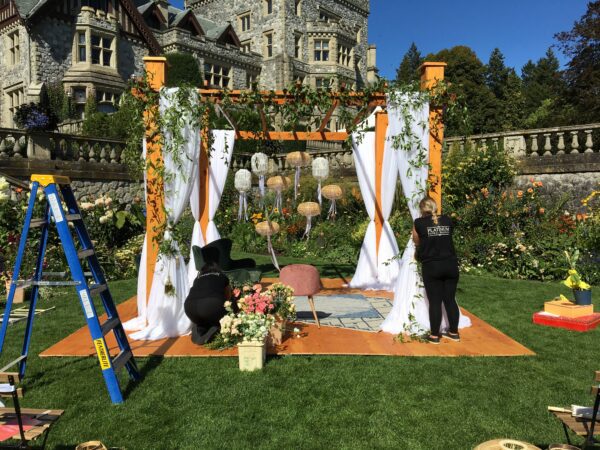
[(519, 194), (539, 184), (542, 210)]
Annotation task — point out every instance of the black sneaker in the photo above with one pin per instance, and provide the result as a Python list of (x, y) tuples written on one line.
[(452, 336), (432, 339)]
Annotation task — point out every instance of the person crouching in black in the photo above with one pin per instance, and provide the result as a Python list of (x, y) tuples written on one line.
[(205, 304), (432, 234)]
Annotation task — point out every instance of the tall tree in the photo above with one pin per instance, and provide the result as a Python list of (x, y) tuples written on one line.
[(582, 45), (466, 73), (496, 74), (408, 71)]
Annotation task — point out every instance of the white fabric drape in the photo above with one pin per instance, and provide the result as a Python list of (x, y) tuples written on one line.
[(165, 315), (375, 270), (219, 160), (139, 322), (410, 313)]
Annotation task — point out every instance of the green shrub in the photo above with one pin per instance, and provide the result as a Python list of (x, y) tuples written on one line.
[(183, 69)]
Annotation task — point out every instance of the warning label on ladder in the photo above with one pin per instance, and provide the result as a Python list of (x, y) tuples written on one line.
[(56, 212), (102, 354), (87, 305)]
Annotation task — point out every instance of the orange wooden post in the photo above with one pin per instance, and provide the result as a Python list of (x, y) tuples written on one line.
[(381, 125), (203, 179), (155, 215), (431, 74)]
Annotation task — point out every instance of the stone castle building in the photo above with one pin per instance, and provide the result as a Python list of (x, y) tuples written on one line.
[(93, 47)]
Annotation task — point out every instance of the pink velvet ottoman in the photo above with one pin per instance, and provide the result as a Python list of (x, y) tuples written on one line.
[(305, 280)]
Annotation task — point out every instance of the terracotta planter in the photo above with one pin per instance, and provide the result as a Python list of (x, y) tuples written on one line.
[(252, 355), (278, 332)]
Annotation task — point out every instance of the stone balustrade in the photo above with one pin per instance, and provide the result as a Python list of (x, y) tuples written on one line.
[(17, 144), (557, 141)]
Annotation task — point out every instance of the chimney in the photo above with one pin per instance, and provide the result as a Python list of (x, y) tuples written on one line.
[(372, 69)]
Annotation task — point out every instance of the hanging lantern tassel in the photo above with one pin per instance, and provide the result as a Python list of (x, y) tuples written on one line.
[(320, 171), (278, 184), (332, 192), (243, 209), (261, 190), (308, 210), (268, 228), (243, 183), (297, 160)]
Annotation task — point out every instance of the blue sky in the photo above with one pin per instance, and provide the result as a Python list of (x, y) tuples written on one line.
[(521, 29)]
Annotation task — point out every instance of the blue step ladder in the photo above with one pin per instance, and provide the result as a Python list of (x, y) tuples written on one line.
[(54, 187)]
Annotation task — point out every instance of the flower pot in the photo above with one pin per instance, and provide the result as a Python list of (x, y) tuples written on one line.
[(583, 297), (252, 355), (277, 333)]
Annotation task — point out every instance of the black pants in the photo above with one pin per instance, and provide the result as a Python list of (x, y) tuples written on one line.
[(440, 279), (205, 312)]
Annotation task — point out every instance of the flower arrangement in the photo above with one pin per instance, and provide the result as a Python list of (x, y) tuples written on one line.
[(33, 117), (252, 312), (574, 280)]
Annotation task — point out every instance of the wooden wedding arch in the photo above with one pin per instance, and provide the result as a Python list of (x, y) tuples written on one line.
[(156, 69)]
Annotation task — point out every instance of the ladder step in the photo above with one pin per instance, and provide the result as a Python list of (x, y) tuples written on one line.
[(28, 283), (36, 223), (72, 217), (109, 325), (85, 253), (121, 359), (96, 289)]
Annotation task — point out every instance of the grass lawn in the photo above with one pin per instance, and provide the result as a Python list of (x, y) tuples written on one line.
[(322, 402)]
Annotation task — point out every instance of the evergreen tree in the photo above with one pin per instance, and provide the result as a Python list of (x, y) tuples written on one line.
[(466, 73), (408, 71), (183, 68), (543, 87), (496, 74), (582, 45)]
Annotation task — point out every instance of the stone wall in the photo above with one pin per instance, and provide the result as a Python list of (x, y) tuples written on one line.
[(573, 187), (120, 191), (131, 52), (53, 48)]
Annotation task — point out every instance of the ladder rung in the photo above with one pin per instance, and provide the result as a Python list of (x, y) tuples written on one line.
[(28, 283), (72, 217), (96, 289), (36, 223), (121, 359), (109, 325), (85, 253)]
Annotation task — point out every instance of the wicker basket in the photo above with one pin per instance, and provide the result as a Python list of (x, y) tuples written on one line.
[(332, 192), (91, 445), (267, 228), (309, 209), (506, 444), (278, 183), (298, 159)]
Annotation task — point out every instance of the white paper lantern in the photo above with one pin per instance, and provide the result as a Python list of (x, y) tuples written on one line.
[(259, 163), (320, 170), (243, 183), (243, 180)]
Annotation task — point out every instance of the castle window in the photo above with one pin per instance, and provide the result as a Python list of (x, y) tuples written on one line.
[(102, 50), (298, 7), (244, 21), (344, 56), (250, 79), (298, 46), (268, 7), (216, 75), (81, 47), (106, 101), (268, 45), (14, 48), (15, 98), (322, 83), (322, 50), (246, 46)]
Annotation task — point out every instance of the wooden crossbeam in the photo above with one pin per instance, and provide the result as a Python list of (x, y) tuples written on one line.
[(293, 135), (328, 116)]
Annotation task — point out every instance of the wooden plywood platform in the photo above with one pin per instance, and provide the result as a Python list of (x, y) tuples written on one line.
[(480, 340)]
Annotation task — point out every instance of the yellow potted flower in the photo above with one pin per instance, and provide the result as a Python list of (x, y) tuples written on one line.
[(581, 290)]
